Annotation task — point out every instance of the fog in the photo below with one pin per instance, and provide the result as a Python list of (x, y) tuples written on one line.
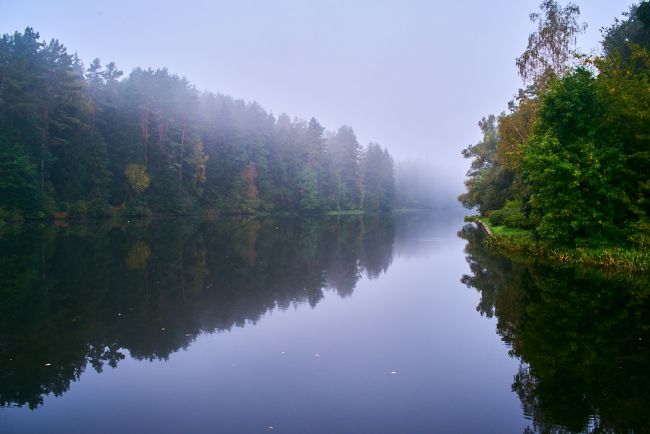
[(413, 76)]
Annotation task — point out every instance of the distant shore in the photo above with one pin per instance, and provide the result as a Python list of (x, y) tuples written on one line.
[(65, 217)]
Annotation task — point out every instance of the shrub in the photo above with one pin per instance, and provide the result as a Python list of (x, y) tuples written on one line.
[(512, 215), (78, 209)]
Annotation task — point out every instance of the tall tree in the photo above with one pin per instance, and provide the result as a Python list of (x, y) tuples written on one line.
[(488, 184), (574, 165), (550, 47), (151, 142), (345, 152), (632, 31), (378, 179)]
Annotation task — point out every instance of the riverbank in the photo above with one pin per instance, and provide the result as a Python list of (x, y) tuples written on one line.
[(522, 243), (64, 218)]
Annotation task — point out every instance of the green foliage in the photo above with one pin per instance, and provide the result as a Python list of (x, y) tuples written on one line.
[(246, 197), (522, 243), (489, 183), (134, 208), (309, 195), (640, 236), (378, 179), (138, 177), (345, 152), (580, 333), (513, 214), (623, 85), (621, 37), (80, 170), (575, 164), (572, 159), (87, 138), (18, 187)]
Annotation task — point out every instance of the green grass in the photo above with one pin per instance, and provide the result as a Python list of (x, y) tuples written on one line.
[(521, 243), (346, 212), (505, 230)]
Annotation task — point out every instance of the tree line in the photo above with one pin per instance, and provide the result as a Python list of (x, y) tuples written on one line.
[(77, 140), (570, 159)]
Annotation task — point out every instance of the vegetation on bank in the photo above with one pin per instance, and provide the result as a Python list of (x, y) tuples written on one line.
[(565, 173), (525, 243), (581, 335), (84, 140)]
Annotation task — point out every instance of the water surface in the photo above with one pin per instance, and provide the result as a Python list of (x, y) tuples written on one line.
[(338, 324)]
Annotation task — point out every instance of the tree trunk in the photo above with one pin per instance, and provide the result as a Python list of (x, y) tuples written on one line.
[(44, 146), (94, 109), (180, 260), (180, 169), (145, 131), (161, 133)]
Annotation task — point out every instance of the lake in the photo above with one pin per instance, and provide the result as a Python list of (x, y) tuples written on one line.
[(342, 324)]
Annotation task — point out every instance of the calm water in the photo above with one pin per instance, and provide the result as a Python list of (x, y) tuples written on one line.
[(344, 324)]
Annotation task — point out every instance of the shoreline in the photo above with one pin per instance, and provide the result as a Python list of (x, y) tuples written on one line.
[(520, 243), (214, 215)]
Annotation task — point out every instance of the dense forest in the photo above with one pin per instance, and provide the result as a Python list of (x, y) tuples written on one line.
[(77, 141), (570, 159)]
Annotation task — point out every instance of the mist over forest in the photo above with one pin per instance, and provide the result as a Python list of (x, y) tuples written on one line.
[(280, 216), (90, 140)]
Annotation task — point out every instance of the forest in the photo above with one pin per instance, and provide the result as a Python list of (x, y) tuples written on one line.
[(80, 140), (569, 160)]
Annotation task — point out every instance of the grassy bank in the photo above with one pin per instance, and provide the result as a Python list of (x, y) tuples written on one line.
[(521, 242)]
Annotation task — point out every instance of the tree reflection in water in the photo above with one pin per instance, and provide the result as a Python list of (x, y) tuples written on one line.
[(82, 294), (583, 339)]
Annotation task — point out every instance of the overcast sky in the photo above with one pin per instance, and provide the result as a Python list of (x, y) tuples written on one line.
[(414, 76)]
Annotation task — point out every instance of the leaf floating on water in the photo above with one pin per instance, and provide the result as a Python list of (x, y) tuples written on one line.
[(270, 428), (162, 328), (47, 364), (393, 372)]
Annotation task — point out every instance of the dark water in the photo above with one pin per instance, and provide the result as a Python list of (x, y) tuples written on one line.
[(342, 324)]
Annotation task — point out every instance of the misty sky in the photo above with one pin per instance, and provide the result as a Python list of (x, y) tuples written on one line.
[(414, 76)]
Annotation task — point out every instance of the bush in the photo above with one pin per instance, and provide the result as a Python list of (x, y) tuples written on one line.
[(640, 234), (98, 208), (512, 215), (78, 209), (10, 215), (136, 208)]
